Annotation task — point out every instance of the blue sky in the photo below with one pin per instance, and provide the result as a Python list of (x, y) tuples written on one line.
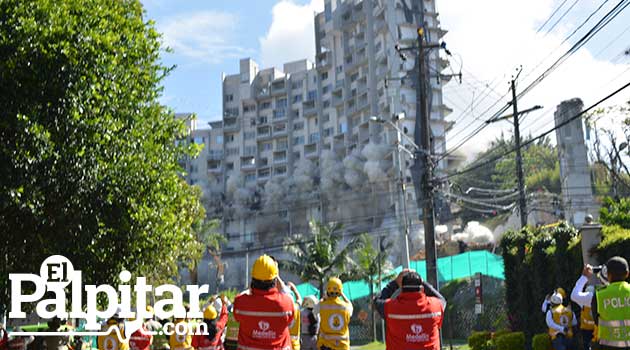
[(492, 37)]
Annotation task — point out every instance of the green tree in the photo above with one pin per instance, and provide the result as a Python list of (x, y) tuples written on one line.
[(616, 212), (88, 156), (320, 255), (206, 233)]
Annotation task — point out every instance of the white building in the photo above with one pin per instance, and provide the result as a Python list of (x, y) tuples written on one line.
[(296, 144)]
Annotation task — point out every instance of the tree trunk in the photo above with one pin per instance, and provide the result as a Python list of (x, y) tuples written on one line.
[(373, 309)]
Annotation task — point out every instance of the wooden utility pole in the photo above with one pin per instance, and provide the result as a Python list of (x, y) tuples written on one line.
[(522, 202)]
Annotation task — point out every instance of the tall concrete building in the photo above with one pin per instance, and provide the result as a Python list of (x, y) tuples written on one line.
[(296, 144)]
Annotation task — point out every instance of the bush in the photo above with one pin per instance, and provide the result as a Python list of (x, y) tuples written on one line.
[(541, 342), (511, 341), (616, 212), (615, 242), (500, 333), (478, 340)]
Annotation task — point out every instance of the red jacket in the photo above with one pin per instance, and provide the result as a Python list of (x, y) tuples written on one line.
[(264, 318), (413, 322), (140, 339), (201, 341)]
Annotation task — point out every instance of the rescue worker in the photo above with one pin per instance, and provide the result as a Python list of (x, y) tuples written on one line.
[(20, 342), (114, 339), (231, 330), (611, 307), (560, 320), (309, 324), (583, 296), (546, 305), (159, 341), (215, 324), (142, 338), (412, 319), (181, 340), (264, 313), (335, 311), (294, 327)]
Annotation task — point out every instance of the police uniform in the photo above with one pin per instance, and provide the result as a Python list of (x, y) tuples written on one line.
[(613, 307)]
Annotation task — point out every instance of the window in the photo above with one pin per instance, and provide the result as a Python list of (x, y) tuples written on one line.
[(231, 112), (280, 127), (249, 108), (298, 126), (263, 162), (314, 137), (232, 151), (250, 177), (296, 84), (229, 98), (326, 89), (265, 105), (229, 166), (298, 140), (250, 151), (326, 104), (354, 77), (325, 118), (327, 11), (297, 98), (265, 146), (263, 173), (248, 135), (262, 120), (338, 69), (281, 103), (296, 155), (279, 113), (219, 139), (281, 170), (229, 138), (327, 132), (199, 140), (244, 78), (343, 128), (312, 95), (248, 237), (281, 145), (324, 76)]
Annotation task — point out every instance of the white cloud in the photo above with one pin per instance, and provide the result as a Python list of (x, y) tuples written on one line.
[(203, 36), (291, 35), (493, 41)]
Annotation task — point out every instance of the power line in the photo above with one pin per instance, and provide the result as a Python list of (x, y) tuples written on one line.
[(551, 16), (561, 17)]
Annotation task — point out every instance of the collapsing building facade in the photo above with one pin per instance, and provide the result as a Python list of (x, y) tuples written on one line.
[(296, 144)]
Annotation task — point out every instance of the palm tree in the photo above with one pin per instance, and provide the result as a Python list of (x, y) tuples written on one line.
[(318, 257), (209, 240), (370, 263)]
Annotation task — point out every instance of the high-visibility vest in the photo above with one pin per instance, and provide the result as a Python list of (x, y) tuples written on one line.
[(180, 341), (111, 341), (613, 306), (231, 329), (413, 322), (335, 319), (294, 327), (586, 319), (562, 316)]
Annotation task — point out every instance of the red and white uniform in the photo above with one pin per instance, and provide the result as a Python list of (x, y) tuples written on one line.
[(264, 318), (201, 342), (413, 322), (140, 339)]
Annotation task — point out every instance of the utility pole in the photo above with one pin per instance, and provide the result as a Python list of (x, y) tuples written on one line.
[(522, 203), (423, 138)]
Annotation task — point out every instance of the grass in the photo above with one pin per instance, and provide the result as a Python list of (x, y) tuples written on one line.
[(457, 345)]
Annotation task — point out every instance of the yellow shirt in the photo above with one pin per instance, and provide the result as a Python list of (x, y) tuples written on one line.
[(180, 341), (335, 316), (111, 340), (562, 316), (294, 327)]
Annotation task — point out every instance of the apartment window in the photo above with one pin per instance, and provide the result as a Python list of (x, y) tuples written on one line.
[(264, 173), (281, 145), (229, 138), (248, 135), (231, 112), (312, 95), (244, 78), (298, 126), (248, 237), (338, 69), (326, 89), (324, 75), (354, 77), (279, 113), (229, 98), (281, 103), (266, 146), (325, 118), (328, 132), (262, 120), (231, 151), (280, 127), (314, 137), (229, 166), (199, 140), (326, 104), (296, 84), (298, 140), (219, 139), (343, 128), (265, 105), (250, 177), (250, 151), (327, 11), (297, 98), (281, 170), (296, 155), (249, 108)]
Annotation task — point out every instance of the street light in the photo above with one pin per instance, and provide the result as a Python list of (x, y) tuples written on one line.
[(403, 188)]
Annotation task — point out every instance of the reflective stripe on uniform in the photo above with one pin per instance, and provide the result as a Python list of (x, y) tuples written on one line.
[(414, 316), (243, 347), (621, 323), (614, 343), (334, 337), (332, 307), (264, 313), (295, 337)]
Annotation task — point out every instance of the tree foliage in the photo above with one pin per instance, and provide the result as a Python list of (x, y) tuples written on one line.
[(616, 212), (321, 255), (87, 154)]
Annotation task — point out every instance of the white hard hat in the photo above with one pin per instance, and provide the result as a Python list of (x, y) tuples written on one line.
[(556, 298), (309, 302)]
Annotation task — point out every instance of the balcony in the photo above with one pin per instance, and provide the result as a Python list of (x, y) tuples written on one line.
[(337, 99), (264, 92), (339, 85), (363, 102), (279, 157), (279, 114), (231, 125), (279, 88), (215, 154), (309, 107), (248, 163), (310, 150), (263, 132), (215, 170), (324, 60)]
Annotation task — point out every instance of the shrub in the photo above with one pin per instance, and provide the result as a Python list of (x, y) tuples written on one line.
[(541, 341), (478, 340), (511, 341), (500, 333), (615, 241), (616, 212)]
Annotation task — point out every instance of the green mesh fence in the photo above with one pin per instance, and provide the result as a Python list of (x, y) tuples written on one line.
[(449, 268)]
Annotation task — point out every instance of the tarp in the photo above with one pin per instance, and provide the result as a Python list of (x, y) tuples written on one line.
[(449, 268)]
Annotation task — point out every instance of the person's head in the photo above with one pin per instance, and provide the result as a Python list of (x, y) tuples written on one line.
[(412, 282), (264, 273), (562, 292), (617, 269), (555, 299), (210, 316), (150, 312), (309, 302), (54, 323), (334, 287)]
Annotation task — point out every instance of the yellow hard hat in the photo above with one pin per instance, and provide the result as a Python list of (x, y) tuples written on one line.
[(210, 313), (265, 268), (562, 292), (334, 286)]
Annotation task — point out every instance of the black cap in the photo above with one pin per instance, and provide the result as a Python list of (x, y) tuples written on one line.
[(412, 281), (617, 264)]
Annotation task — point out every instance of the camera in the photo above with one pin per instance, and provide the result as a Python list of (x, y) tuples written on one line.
[(598, 269)]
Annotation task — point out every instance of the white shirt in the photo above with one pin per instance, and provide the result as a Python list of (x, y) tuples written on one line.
[(578, 296)]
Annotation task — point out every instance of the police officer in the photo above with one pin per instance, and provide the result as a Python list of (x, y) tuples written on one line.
[(611, 307), (335, 311), (413, 319), (264, 313)]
